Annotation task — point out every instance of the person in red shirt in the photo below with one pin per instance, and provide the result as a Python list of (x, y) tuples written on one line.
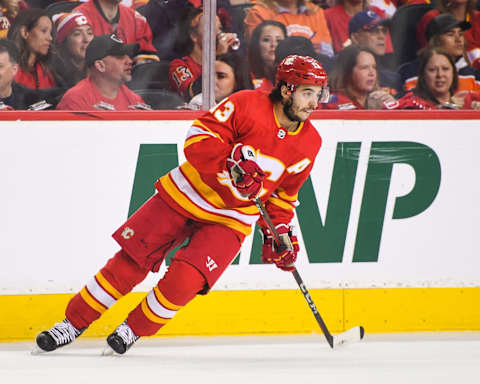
[(208, 199), (109, 62), (32, 33), (108, 16), (185, 73)]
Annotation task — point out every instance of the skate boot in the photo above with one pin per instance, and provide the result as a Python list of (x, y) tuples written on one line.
[(122, 338), (61, 334)]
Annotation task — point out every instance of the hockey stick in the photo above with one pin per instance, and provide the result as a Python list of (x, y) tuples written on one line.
[(351, 335)]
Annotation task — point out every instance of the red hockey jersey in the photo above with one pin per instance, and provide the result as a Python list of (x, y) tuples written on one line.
[(131, 27), (183, 73), (201, 187)]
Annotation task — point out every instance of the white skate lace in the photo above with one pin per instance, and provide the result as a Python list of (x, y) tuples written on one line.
[(126, 333), (64, 332)]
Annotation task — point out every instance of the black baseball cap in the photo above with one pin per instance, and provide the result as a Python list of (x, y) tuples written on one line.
[(108, 45), (444, 23)]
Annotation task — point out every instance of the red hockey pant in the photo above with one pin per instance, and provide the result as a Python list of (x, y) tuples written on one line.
[(194, 269)]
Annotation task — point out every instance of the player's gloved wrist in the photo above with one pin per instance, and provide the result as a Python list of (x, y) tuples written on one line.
[(283, 255), (244, 171)]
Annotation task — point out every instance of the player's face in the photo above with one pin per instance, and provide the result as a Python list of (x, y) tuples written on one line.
[(7, 72), (439, 76), (375, 39), (224, 80), (303, 102), (118, 68), (269, 38), (78, 40), (453, 42), (39, 38), (364, 74)]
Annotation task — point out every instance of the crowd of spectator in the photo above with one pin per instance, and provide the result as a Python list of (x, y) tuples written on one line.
[(147, 54)]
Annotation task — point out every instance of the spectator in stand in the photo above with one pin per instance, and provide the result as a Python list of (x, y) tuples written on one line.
[(445, 32), (301, 17), (231, 75), (110, 65), (338, 18), (162, 16), (185, 73), (368, 29), (354, 81), (261, 50), (464, 10), (32, 33), (108, 16), (437, 85), (14, 96), (9, 10), (74, 33)]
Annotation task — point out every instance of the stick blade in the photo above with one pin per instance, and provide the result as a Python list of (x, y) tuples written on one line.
[(351, 336)]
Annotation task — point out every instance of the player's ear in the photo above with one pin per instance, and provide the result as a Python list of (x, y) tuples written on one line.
[(285, 92)]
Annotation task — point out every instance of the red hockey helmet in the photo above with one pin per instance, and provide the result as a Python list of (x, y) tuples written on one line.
[(296, 70)]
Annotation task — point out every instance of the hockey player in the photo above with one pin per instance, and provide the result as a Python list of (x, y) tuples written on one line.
[(249, 145)]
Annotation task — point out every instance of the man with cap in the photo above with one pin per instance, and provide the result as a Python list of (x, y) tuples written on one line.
[(446, 32), (367, 28), (109, 62)]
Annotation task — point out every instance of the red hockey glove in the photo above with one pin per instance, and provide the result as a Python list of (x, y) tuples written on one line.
[(285, 255), (246, 175)]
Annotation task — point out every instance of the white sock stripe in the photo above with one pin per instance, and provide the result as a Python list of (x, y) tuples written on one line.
[(100, 294), (157, 308)]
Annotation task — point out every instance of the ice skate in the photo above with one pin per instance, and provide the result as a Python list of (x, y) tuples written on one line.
[(122, 338), (61, 334)]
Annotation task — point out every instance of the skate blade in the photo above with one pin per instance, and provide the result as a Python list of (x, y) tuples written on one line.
[(37, 351), (107, 351)]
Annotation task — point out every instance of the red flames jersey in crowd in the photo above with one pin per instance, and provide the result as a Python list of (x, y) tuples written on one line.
[(339, 100), (131, 27), (85, 96), (201, 187), (183, 72), (412, 101)]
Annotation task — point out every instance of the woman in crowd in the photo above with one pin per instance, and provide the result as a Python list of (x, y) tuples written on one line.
[(354, 81), (185, 73), (437, 85), (74, 33), (261, 50), (32, 33), (231, 75), (301, 18)]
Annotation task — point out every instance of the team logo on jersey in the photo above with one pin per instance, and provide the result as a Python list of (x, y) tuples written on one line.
[(127, 233), (281, 134), (210, 264)]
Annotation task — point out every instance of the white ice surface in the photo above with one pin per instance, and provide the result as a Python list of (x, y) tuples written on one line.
[(430, 358)]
